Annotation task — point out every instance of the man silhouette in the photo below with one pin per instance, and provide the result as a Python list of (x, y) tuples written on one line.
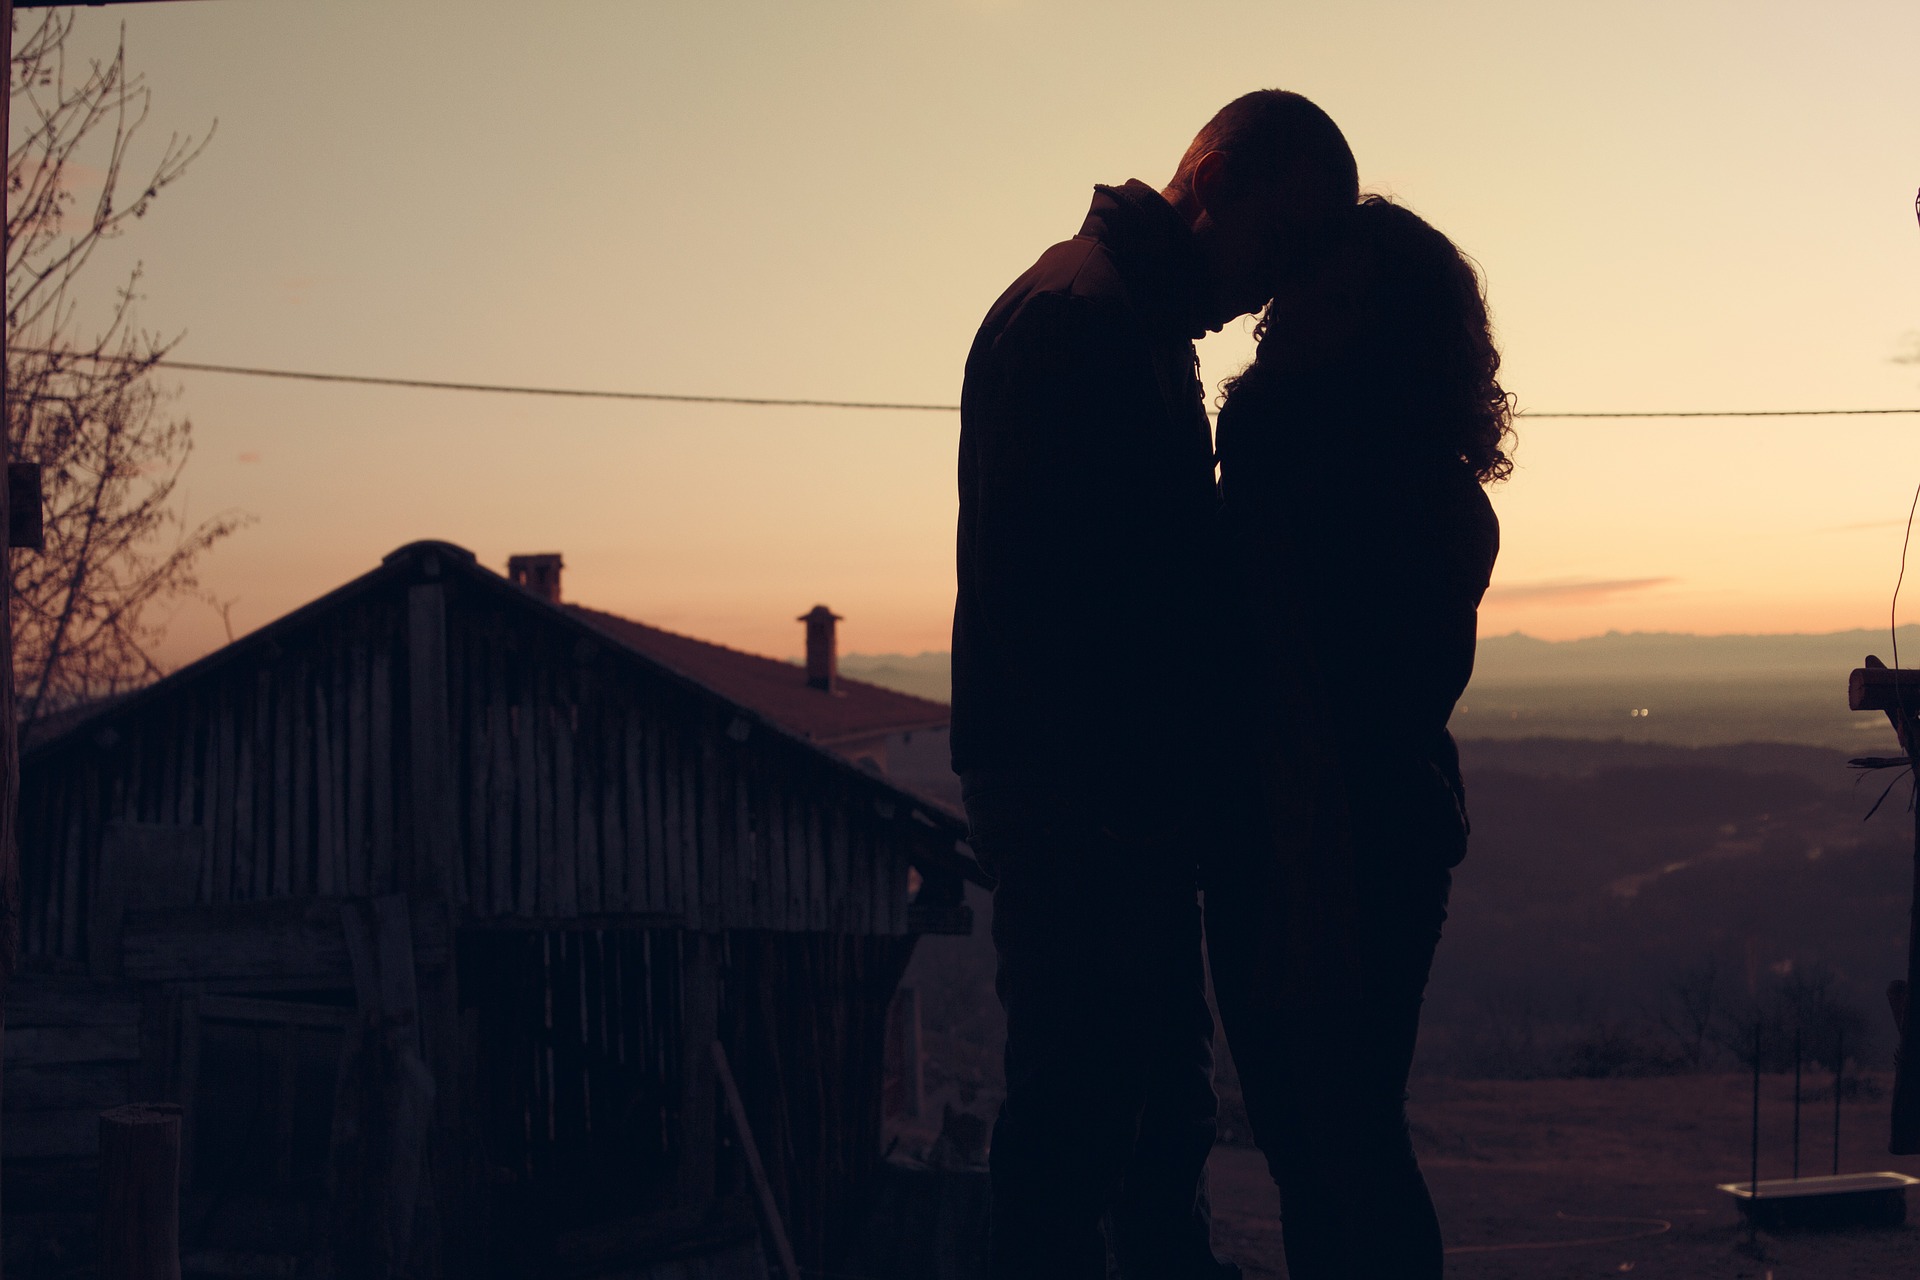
[(1086, 710)]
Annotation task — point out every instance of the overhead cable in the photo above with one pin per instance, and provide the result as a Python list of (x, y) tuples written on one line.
[(790, 402)]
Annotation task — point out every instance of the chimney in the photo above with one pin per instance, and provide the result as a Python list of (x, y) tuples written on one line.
[(823, 658), (539, 574)]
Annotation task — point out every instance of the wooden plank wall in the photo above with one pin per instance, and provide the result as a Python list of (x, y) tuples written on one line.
[(587, 786), (593, 788), (581, 1079), (72, 1049), (286, 764)]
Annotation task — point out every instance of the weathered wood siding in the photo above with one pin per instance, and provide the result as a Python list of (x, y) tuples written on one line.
[(582, 782)]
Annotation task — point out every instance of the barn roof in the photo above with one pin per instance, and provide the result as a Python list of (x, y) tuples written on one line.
[(776, 689), (739, 680)]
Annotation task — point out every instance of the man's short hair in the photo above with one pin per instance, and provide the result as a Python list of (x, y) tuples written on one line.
[(1270, 135)]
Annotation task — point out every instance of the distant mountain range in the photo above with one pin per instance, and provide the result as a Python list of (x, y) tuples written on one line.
[(1634, 657), (1662, 656), (1637, 686)]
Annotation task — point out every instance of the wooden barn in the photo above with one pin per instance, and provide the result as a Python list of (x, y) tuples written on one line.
[(428, 902)]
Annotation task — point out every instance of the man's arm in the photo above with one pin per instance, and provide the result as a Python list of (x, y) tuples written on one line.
[(1057, 407)]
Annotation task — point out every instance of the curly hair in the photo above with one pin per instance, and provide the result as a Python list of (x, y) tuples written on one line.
[(1423, 353)]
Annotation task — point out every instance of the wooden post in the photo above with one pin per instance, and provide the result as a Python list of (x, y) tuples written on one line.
[(1753, 1167), (1877, 687), (429, 880), (1796, 1103), (699, 1028), (909, 1052), (1904, 1138), (140, 1192), (1839, 1078)]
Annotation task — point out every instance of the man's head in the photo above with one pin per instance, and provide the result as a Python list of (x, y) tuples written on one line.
[(1264, 186)]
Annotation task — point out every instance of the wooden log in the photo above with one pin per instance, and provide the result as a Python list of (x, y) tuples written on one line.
[(338, 747), (654, 848), (640, 893), (1881, 688), (359, 764), (382, 873), (526, 721), (545, 790), (713, 870), (140, 1192), (303, 865), (221, 801), (165, 726), (499, 797), (286, 702), (613, 836), (436, 883), (565, 848), (261, 885), (855, 909), (663, 791), (799, 862), (434, 810), (327, 879), (771, 816), (240, 834), (70, 908)]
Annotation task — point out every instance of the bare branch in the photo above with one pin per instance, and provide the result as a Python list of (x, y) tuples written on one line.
[(112, 454)]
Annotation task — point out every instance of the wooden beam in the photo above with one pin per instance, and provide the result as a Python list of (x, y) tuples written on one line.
[(762, 1189), (1876, 688), (278, 939), (436, 882)]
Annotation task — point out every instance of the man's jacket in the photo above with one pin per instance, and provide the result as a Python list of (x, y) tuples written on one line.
[(1084, 632)]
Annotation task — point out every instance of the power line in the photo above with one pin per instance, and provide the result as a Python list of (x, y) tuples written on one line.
[(786, 402)]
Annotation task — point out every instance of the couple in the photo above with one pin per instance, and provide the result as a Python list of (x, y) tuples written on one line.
[(1166, 683)]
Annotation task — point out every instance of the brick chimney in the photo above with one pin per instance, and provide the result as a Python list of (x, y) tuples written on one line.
[(823, 657), (539, 574)]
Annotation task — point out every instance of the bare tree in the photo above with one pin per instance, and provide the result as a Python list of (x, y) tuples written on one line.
[(1692, 1005), (83, 394)]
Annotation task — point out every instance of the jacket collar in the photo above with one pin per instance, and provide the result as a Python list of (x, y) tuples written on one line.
[(1154, 250)]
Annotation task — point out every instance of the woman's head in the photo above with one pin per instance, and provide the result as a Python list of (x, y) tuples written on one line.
[(1395, 320)]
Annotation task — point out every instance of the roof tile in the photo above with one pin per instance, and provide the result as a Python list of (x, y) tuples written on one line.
[(776, 689)]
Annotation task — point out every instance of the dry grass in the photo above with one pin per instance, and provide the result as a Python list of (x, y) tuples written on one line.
[(1547, 1161)]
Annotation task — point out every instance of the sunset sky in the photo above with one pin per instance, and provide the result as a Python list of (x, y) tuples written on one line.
[(1677, 207)]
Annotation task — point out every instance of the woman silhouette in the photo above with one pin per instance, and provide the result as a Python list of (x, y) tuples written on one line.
[(1353, 453)]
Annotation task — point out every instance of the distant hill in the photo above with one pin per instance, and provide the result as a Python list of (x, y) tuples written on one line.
[(926, 675), (1663, 655), (1660, 687)]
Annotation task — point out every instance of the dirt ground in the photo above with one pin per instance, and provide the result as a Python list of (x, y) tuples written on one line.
[(1580, 1179)]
